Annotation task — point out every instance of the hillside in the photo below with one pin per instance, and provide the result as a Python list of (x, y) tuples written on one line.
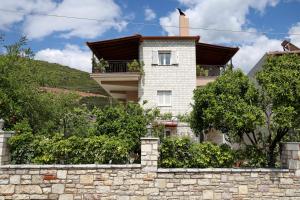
[(59, 76)]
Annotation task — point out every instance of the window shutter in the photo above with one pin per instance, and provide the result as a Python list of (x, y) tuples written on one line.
[(154, 58), (174, 58)]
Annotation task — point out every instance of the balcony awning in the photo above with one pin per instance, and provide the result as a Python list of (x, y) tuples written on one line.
[(126, 48), (209, 54)]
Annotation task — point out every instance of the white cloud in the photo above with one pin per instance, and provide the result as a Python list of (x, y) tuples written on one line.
[(295, 30), (249, 55), (149, 14), (107, 12), (71, 56), (23, 6), (226, 15), (216, 14)]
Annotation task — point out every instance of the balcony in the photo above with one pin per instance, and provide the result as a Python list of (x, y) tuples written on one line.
[(114, 66), (207, 74), (119, 78)]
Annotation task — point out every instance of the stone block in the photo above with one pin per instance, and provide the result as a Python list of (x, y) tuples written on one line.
[(28, 189), (66, 197), (58, 188), (188, 181), (38, 196), (208, 194), (243, 189), (160, 183), (15, 179), (286, 181), (123, 198), (20, 196), (61, 174), (102, 189), (7, 189), (36, 179), (151, 191), (292, 146), (146, 147), (86, 179)]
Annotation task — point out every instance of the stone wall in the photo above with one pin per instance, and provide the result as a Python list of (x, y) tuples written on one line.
[(147, 181)]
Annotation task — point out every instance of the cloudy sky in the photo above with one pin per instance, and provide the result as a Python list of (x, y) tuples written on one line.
[(257, 26)]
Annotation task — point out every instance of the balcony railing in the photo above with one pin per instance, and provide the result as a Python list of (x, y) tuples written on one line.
[(211, 70), (114, 66)]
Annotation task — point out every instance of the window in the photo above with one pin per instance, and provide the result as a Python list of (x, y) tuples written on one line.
[(164, 58), (164, 97)]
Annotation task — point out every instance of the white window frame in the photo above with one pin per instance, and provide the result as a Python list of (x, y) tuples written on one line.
[(164, 61), (164, 93)]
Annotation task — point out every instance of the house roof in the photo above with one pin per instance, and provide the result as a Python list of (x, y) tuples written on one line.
[(127, 48), (209, 54)]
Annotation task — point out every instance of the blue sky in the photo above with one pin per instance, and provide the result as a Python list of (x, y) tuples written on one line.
[(63, 40)]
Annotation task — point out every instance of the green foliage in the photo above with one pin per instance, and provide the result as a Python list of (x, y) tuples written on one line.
[(73, 150), (211, 155), (166, 116), (201, 71), (182, 152), (250, 156), (229, 104), (174, 152), (125, 121), (259, 116), (136, 66), (184, 118), (100, 65)]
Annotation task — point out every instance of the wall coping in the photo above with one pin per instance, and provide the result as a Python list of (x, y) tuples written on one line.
[(217, 170), (88, 166), (290, 142), (149, 138)]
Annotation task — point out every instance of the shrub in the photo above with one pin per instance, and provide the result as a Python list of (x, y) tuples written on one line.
[(127, 122), (211, 155), (182, 152), (72, 150), (250, 156), (136, 66), (174, 152)]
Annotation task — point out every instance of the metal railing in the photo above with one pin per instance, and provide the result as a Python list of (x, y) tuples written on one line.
[(114, 66)]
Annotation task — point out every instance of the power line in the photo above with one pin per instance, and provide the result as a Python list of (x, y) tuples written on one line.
[(149, 24)]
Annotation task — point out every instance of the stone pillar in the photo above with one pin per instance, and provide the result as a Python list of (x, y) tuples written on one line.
[(4, 152), (149, 154), (290, 155)]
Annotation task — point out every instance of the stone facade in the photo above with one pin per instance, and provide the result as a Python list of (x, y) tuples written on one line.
[(146, 181), (180, 78)]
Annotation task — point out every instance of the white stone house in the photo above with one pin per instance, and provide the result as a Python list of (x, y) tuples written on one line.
[(169, 76)]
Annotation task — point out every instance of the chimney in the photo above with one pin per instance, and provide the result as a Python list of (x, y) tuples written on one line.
[(183, 24)]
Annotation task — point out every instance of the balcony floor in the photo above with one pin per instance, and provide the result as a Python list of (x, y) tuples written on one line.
[(121, 86)]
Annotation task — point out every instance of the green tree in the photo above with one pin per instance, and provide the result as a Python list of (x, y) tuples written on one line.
[(260, 114)]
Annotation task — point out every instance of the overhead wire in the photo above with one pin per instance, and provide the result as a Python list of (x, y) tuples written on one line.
[(148, 24)]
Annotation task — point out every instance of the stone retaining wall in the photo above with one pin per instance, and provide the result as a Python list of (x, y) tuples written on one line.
[(146, 181)]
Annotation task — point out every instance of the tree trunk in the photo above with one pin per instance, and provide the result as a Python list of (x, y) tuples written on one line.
[(271, 156)]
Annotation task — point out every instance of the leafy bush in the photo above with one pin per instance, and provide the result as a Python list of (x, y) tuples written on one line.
[(174, 152), (127, 122), (250, 156), (136, 66), (182, 152), (72, 150), (211, 155)]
